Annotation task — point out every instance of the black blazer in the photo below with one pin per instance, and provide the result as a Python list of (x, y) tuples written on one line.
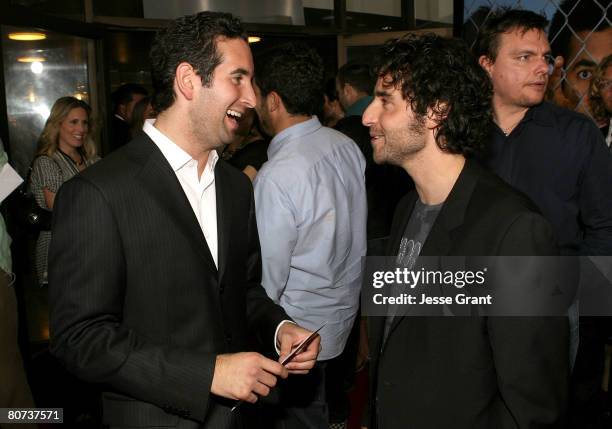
[(472, 372), (136, 300)]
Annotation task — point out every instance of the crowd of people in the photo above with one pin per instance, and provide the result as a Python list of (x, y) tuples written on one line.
[(229, 223)]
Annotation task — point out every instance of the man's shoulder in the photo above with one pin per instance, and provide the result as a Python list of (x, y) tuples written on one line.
[(494, 193), (310, 150), (499, 215), (561, 118), (121, 165), (333, 134)]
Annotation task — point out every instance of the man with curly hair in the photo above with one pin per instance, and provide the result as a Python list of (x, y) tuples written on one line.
[(430, 116), (311, 215)]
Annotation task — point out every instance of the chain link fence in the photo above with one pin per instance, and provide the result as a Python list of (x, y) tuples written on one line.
[(580, 31)]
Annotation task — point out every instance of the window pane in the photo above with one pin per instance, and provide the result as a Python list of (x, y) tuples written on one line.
[(36, 73)]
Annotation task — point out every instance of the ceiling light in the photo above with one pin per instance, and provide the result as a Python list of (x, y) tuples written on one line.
[(254, 39), (36, 67), (31, 59), (27, 36)]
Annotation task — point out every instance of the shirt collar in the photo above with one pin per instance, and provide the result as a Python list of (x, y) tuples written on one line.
[(174, 154), (359, 106), (542, 114), (291, 133)]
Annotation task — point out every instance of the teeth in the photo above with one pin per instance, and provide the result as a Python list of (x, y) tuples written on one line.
[(234, 114)]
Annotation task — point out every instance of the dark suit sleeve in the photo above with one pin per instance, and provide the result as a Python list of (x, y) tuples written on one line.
[(531, 354), (89, 333)]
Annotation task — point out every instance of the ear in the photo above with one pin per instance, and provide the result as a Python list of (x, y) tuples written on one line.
[(348, 90), (186, 80), (486, 63), (273, 101)]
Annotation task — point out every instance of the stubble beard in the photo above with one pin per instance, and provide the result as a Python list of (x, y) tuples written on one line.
[(202, 128), (401, 145)]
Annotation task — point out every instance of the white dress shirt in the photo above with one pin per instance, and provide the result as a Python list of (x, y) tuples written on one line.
[(200, 191)]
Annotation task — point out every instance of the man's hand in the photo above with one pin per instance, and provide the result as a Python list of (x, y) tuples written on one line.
[(290, 336), (554, 91), (245, 376)]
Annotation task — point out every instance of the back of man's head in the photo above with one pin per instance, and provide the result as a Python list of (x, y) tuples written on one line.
[(295, 72), (125, 93), (358, 75), (441, 76), (504, 21), (576, 16), (192, 39)]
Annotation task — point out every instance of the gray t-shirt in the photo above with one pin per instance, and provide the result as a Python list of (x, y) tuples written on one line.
[(419, 225)]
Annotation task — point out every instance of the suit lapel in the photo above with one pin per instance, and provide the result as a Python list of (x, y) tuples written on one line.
[(439, 242), (161, 183), (224, 213)]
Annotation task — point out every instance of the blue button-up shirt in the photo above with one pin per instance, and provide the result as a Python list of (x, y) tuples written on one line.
[(311, 215)]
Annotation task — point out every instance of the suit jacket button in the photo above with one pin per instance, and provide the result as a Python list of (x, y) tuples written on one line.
[(221, 289), (228, 337)]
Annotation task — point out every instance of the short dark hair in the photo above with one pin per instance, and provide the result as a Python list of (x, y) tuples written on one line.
[(191, 39), (441, 74), (124, 94), (358, 75), (295, 72), (570, 16), (501, 21)]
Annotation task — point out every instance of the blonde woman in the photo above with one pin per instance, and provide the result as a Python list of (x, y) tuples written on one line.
[(65, 149)]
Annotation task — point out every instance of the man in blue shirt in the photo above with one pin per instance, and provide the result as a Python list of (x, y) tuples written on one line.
[(311, 215)]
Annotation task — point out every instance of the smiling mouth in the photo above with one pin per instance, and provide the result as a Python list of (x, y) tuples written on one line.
[(233, 114)]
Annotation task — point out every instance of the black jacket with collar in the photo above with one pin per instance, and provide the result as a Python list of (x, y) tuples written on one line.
[(472, 372), (136, 300)]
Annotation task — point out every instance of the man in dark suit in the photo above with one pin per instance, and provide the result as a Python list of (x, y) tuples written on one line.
[(124, 99), (155, 263), (430, 113)]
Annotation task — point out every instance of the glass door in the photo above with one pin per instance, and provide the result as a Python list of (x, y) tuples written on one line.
[(39, 67)]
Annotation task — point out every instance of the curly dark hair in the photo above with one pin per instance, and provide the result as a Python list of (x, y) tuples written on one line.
[(504, 20), (358, 75), (442, 75), (295, 72), (191, 39)]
